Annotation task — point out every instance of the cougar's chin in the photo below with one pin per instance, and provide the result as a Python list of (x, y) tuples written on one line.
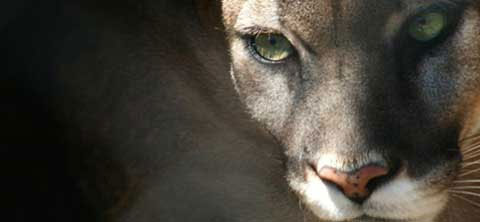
[(400, 199)]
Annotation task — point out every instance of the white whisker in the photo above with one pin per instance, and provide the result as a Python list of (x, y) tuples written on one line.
[(470, 148), (467, 200), (471, 155), (466, 164), (469, 172), (466, 181), (464, 192), (460, 188)]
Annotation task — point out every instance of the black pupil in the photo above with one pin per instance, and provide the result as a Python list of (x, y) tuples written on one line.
[(272, 40), (422, 21)]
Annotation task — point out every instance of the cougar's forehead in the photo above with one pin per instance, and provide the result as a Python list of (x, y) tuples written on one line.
[(327, 23), (331, 24), (250, 12)]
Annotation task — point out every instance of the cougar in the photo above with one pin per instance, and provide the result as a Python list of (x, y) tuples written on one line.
[(373, 102), (260, 110)]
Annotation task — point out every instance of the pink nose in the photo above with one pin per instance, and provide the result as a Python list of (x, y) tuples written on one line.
[(354, 184)]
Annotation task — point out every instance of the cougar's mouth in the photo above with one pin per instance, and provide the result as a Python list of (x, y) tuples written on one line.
[(366, 218), (396, 197)]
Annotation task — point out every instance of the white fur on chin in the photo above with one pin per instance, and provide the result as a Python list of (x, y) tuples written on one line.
[(401, 199)]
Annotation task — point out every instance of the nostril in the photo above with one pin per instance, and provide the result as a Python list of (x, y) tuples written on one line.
[(356, 184)]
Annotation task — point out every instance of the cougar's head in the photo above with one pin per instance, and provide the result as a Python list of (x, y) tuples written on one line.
[(370, 100)]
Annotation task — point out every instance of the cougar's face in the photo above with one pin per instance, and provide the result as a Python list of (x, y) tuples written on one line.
[(368, 98)]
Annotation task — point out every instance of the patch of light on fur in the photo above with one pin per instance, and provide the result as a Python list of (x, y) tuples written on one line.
[(326, 203), (404, 198), (471, 28), (259, 13), (468, 34), (271, 105)]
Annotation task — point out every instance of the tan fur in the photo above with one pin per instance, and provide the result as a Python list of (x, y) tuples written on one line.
[(324, 47)]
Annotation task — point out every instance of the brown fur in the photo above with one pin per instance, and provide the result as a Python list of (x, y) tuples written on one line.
[(316, 102), (132, 105)]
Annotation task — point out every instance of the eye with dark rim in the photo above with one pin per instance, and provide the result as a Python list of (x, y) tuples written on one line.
[(270, 47), (423, 32), (427, 25), (433, 25)]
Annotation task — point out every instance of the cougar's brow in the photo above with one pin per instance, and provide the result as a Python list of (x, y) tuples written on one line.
[(256, 13)]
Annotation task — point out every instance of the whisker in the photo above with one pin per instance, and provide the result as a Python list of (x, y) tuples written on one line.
[(451, 215), (466, 164), (466, 181), (473, 153), (470, 145), (468, 172), (462, 140), (300, 204), (464, 192), (470, 149), (461, 188), (475, 137), (467, 200), (475, 157)]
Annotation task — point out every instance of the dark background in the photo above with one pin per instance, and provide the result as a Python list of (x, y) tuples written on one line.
[(35, 182)]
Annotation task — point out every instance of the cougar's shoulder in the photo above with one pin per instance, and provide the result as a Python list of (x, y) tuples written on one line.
[(147, 115)]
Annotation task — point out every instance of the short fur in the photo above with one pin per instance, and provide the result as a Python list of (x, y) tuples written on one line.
[(358, 92)]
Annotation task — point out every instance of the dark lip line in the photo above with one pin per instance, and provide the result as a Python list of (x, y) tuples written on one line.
[(376, 219), (366, 218)]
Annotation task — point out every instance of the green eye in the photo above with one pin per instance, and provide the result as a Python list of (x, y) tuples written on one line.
[(272, 47), (427, 26)]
